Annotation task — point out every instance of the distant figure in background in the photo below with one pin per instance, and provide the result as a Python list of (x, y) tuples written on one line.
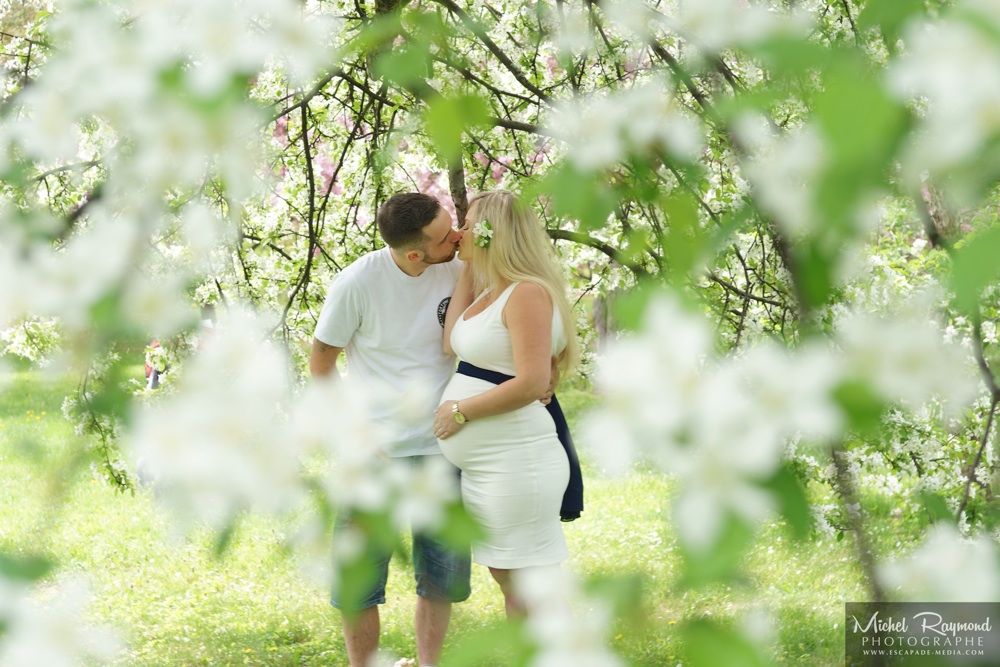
[(155, 365)]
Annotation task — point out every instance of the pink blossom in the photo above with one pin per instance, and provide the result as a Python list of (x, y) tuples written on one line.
[(542, 149), (327, 170), (481, 159), (429, 183), (500, 167), (280, 133), (552, 65), (639, 63), (347, 122)]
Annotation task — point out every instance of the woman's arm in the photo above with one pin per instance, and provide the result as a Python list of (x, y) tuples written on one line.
[(528, 316), (461, 299)]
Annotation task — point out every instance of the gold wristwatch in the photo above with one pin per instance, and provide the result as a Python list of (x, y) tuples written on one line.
[(459, 417)]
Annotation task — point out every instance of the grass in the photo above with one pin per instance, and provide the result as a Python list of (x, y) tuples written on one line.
[(178, 604)]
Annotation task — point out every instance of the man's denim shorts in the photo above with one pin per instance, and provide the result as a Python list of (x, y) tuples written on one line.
[(441, 572)]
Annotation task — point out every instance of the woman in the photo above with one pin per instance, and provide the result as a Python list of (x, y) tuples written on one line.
[(510, 316)]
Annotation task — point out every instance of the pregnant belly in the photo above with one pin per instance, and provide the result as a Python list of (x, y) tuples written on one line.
[(493, 444)]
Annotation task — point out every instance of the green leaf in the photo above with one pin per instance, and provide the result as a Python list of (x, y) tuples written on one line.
[(408, 66), (792, 501), (861, 404), (623, 591), (505, 640), (460, 530), (789, 55), (722, 560), (936, 506), (628, 307), (684, 241), (710, 645), (815, 271), (889, 16), (375, 34), (577, 195), (976, 265), (446, 118), (863, 128), (224, 539), (28, 568)]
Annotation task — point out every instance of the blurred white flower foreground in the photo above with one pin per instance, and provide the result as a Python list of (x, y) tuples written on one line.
[(45, 627), (721, 425)]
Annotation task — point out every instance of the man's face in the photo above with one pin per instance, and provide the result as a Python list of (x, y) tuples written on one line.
[(442, 239)]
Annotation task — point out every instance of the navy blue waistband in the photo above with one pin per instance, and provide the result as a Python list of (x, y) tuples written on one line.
[(496, 377), (572, 504)]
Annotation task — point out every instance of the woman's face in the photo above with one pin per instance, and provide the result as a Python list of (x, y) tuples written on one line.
[(468, 239)]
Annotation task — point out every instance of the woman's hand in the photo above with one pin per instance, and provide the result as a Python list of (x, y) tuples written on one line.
[(444, 421)]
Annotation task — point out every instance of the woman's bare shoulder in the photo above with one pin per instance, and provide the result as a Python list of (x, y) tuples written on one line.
[(529, 297)]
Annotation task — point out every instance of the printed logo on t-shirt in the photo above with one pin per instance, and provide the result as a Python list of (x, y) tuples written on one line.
[(442, 309)]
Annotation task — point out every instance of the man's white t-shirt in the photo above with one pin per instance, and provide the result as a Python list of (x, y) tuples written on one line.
[(390, 325)]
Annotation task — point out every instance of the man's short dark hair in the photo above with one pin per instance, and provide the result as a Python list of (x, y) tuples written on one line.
[(402, 218)]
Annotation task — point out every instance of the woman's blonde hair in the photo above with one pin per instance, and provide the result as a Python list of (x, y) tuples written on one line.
[(520, 251)]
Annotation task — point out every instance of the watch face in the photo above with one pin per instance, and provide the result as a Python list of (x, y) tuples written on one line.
[(459, 417)]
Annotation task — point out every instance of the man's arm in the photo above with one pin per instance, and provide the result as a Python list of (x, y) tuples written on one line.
[(323, 360)]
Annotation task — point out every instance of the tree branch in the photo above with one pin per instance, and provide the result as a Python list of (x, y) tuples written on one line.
[(597, 244), (504, 59)]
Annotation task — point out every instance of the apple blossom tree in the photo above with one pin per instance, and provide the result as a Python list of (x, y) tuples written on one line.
[(778, 217)]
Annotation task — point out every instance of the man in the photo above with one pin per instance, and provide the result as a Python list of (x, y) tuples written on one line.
[(387, 310)]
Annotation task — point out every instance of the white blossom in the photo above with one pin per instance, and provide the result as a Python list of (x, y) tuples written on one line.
[(68, 281), (51, 631), (947, 567), (720, 24), (784, 171), (906, 358), (571, 630), (573, 29), (423, 492), (158, 305), (217, 445), (719, 423), (635, 16), (602, 129), (954, 65)]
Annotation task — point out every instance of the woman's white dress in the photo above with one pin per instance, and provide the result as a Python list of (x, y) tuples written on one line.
[(514, 470)]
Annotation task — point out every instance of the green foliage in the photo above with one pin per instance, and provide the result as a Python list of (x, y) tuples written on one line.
[(448, 118), (975, 267), (713, 645)]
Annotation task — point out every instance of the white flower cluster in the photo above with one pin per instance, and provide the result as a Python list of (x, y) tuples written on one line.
[(51, 631), (711, 25), (721, 424), (166, 85), (217, 445), (906, 360), (570, 628), (784, 170), (233, 437), (951, 66), (717, 25), (947, 567), (602, 130)]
